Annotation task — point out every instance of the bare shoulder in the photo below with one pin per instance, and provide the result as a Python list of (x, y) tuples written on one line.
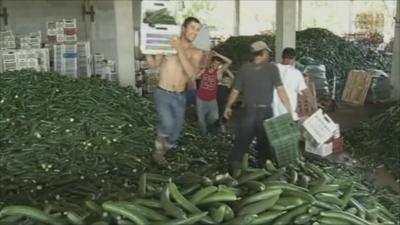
[(195, 52)]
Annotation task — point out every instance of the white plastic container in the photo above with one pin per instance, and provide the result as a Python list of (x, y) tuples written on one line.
[(320, 126)]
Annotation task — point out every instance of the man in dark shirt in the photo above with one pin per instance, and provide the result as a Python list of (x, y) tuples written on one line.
[(256, 81)]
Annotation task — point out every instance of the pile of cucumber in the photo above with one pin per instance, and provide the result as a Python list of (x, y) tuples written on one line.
[(296, 194)]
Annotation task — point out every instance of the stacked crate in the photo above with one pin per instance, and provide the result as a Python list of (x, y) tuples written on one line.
[(31, 41), (70, 30), (7, 40), (9, 60), (62, 31), (66, 59), (84, 59), (98, 64), (27, 59)]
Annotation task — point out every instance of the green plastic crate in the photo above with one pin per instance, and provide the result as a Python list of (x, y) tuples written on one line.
[(283, 134)]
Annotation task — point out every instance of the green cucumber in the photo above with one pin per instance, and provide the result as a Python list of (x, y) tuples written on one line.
[(259, 206), (259, 196)]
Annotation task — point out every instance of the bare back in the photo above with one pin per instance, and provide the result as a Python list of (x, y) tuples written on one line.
[(172, 74)]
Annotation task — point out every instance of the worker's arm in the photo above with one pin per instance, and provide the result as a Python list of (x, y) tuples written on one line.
[(285, 100), (227, 61), (230, 74), (191, 66), (154, 61), (232, 99)]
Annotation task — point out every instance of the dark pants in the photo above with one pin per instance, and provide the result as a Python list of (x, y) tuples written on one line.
[(222, 98), (250, 126)]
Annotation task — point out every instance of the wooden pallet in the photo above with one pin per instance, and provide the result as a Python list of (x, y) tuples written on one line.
[(304, 106), (357, 85)]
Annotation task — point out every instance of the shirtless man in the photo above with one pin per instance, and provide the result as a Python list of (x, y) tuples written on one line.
[(175, 72)]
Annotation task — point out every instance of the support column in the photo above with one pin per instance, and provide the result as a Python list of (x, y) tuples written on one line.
[(395, 74), (125, 42), (286, 26), (237, 18), (300, 15)]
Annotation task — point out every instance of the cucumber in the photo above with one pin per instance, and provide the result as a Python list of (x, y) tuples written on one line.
[(157, 178), (189, 189), (241, 220), (329, 198), (259, 206), (94, 206), (115, 207), (332, 221), (347, 195), (255, 185), (169, 207), (267, 217), (148, 203), (352, 210), (276, 175), (313, 210), (30, 212), (320, 183), (328, 188), (284, 186), (325, 205), (217, 214), (302, 219), (229, 214), (220, 196), (188, 221), (293, 177), (181, 200), (301, 194), (202, 193), (252, 176), (259, 196), (288, 217), (290, 201), (149, 213), (142, 185), (347, 217), (74, 218), (269, 165), (245, 162), (303, 181)]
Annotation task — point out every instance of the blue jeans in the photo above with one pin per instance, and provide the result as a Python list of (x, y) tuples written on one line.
[(171, 114), (207, 114)]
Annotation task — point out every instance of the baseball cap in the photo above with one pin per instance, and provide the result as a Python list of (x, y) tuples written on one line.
[(259, 45)]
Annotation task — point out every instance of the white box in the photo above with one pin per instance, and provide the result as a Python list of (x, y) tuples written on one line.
[(156, 39), (320, 126), (322, 150)]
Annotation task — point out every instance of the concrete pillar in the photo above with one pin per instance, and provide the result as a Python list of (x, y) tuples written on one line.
[(395, 74), (300, 15), (285, 26), (125, 42), (237, 18)]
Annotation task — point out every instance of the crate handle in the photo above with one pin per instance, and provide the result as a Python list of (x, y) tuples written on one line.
[(327, 119), (159, 4), (161, 28)]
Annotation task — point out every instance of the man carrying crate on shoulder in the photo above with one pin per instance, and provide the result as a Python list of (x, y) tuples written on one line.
[(256, 80), (175, 72)]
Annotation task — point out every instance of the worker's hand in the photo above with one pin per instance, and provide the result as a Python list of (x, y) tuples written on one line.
[(294, 115), (176, 43), (228, 113)]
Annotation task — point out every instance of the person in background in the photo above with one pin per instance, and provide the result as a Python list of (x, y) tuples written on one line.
[(256, 81), (292, 80), (206, 102), (224, 87), (175, 72)]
